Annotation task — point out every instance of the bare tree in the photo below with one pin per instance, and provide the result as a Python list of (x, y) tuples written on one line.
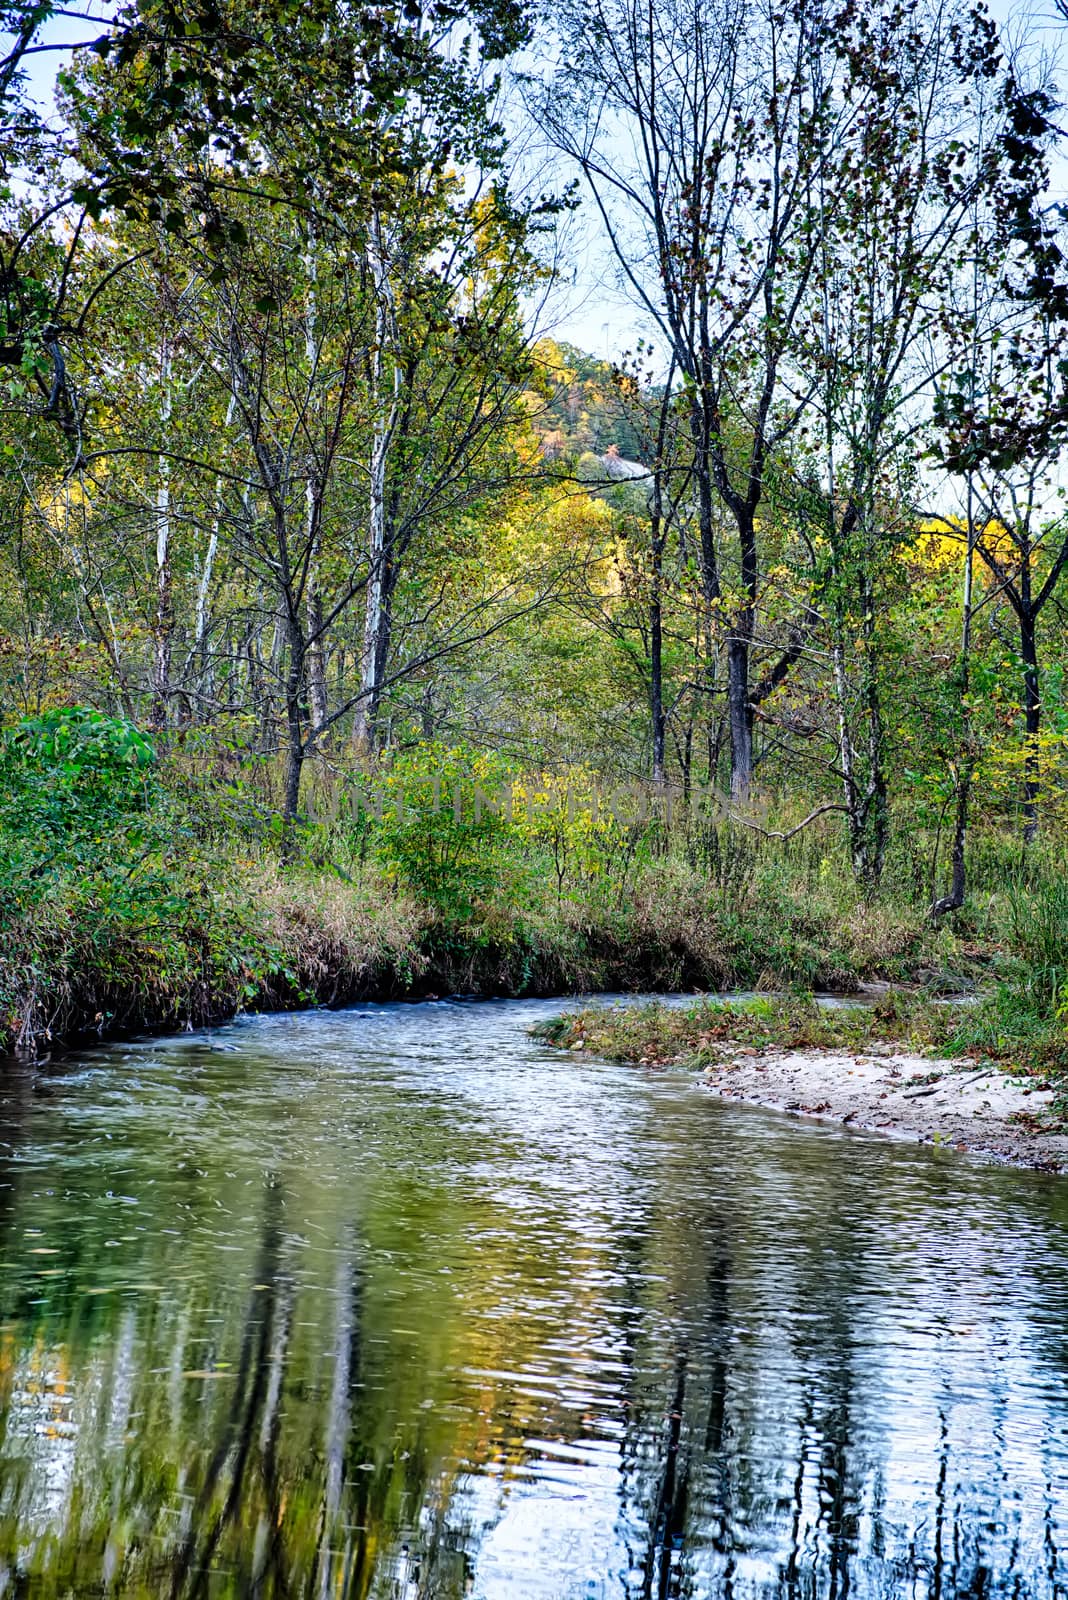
[(912, 179), (701, 129)]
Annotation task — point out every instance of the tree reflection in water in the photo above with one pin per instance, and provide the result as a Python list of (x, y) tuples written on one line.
[(463, 1342)]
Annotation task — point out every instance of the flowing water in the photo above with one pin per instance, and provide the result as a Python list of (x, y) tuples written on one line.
[(393, 1302)]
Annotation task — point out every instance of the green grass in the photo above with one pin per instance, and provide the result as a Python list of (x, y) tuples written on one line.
[(1005, 1028), (697, 1034)]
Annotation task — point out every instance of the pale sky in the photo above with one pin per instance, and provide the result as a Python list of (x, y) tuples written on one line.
[(589, 308), (596, 315)]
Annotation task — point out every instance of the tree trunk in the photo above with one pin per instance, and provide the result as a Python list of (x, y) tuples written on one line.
[(845, 737), (200, 635), (316, 653), (200, 627), (958, 880), (739, 651), (708, 556), (855, 805), (295, 743), (373, 651), (864, 791), (656, 616), (656, 687), (741, 719), (200, 631), (1032, 721), (318, 705), (164, 620), (699, 430), (877, 808)]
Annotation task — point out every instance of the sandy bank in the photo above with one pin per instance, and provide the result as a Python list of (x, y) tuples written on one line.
[(952, 1103)]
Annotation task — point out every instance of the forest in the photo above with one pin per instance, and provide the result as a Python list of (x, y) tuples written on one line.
[(363, 634)]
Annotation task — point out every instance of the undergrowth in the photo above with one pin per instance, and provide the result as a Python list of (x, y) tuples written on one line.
[(138, 892)]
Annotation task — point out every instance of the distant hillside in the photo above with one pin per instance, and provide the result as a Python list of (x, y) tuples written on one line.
[(578, 408)]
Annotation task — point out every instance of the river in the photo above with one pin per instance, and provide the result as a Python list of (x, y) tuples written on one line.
[(392, 1302)]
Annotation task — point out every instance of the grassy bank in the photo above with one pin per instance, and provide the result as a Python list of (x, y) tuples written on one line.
[(1007, 1028), (185, 936), (696, 1035), (138, 892)]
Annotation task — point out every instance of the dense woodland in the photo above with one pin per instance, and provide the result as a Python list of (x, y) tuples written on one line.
[(308, 517)]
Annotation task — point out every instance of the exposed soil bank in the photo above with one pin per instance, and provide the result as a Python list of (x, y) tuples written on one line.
[(76, 1004), (953, 1103)]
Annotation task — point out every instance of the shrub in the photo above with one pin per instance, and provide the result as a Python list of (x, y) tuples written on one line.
[(74, 788), (563, 820), (443, 829)]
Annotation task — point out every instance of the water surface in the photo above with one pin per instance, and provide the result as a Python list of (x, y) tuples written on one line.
[(391, 1302)]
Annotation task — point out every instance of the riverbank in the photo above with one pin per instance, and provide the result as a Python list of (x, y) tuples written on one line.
[(992, 1076), (182, 941), (892, 1066), (952, 1103), (145, 895), (290, 942)]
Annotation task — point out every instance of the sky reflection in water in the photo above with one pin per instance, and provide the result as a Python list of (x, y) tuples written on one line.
[(391, 1303)]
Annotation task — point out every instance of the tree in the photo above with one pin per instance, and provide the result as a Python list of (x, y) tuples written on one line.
[(175, 108), (329, 181), (1002, 415), (913, 176), (703, 129), (651, 510), (445, 377)]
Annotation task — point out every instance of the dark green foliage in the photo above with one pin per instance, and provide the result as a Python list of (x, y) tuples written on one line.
[(75, 786), (109, 902)]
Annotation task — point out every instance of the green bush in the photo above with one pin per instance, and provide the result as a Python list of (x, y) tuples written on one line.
[(443, 831), (75, 786)]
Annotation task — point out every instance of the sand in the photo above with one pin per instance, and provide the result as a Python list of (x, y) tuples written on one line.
[(951, 1103)]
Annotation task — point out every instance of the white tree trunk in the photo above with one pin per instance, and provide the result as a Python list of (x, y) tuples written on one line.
[(384, 400), (200, 628), (161, 676), (316, 655)]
